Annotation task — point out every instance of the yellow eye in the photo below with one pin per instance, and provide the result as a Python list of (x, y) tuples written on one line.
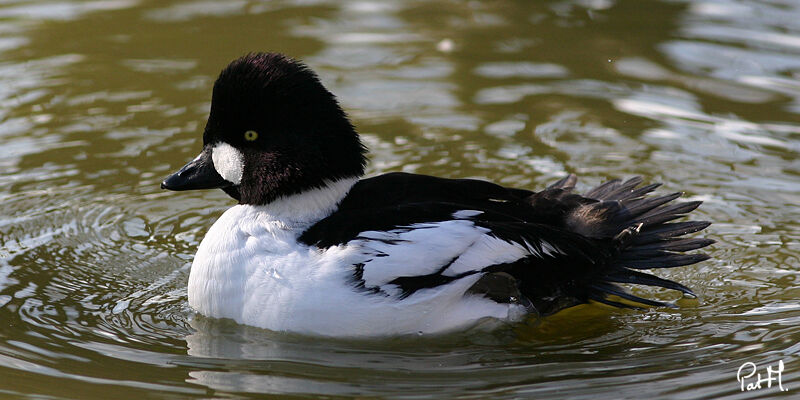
[(250, 136)]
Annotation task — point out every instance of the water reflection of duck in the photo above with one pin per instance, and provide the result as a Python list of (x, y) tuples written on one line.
[(313, 248)]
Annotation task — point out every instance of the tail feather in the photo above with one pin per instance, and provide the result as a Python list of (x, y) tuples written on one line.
[(666, 231), (643, 190), (639, 207), (612, 289), (641, 278), (677, 244), (602, 192), (618, 190), (622, 190), (567, 183), (659, 259), (644, 238), (600, 297), (668, 213)]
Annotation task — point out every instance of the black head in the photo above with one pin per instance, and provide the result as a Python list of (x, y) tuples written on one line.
[(273, 131)]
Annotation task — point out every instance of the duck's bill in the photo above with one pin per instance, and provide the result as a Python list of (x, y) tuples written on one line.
[(197, 174)]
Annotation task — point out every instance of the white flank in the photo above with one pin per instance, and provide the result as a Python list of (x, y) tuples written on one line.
[(228, 162), (250, 268)]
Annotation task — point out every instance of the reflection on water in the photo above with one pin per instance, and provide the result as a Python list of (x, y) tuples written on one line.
[(101, 99)]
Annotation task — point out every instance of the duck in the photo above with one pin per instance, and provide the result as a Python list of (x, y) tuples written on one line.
[(314, 248)]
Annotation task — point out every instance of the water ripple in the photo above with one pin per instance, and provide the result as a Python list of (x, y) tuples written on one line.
[(102, 99)]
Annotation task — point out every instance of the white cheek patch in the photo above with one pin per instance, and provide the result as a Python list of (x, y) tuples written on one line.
[(228, 162)]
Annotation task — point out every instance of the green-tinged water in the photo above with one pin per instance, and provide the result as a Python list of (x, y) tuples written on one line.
[(100, 100)]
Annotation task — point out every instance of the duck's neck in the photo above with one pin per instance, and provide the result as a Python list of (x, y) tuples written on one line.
[(306, 208)]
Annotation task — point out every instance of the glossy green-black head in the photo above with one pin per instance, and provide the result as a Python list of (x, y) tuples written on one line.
[(273, 131)]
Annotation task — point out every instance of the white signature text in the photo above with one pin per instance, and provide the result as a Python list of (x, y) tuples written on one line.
[(750, 379)]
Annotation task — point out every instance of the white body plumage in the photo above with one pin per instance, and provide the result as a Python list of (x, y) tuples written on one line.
[(251, 268)]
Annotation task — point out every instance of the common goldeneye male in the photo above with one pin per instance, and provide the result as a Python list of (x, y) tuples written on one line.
[(313, 248)]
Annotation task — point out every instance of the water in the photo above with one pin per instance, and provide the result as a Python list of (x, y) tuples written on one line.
[(99, 100)]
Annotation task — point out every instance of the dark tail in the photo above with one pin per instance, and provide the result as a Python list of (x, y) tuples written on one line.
[(641, 232)]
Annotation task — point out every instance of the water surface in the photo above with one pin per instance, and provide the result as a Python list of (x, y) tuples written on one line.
[(99, 100)]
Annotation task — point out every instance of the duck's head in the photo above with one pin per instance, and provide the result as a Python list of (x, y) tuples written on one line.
[(273, 131)]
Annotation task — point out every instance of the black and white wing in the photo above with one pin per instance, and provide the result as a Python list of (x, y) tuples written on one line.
[(545, 250), (446, 243)]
